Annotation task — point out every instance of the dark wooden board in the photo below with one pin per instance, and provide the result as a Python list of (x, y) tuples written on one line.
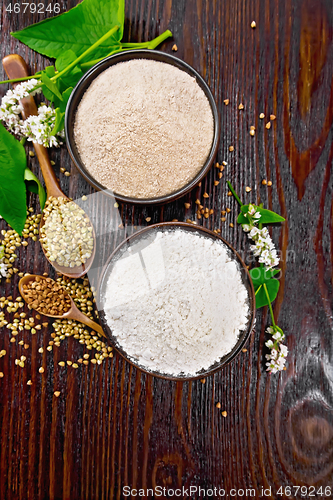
[(113, 426)]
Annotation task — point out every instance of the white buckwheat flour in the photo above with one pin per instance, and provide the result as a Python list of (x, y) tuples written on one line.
[(144, 128), (175, 302)]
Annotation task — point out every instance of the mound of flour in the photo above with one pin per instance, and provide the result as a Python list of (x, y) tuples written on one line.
[(144, 128), (175, 302)]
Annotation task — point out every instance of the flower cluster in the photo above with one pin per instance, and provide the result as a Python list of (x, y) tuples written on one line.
[(277, 357), (265, 250), (39, 128), (264, 247), (34, 128), (3, 267), (11, 108)]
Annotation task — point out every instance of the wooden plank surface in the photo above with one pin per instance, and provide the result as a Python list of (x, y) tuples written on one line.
[(113, 426)]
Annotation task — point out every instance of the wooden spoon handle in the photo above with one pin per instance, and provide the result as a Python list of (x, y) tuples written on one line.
[(16, 67), (77, 315)]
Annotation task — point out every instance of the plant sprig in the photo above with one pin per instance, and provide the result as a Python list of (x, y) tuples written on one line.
[(266, 286)]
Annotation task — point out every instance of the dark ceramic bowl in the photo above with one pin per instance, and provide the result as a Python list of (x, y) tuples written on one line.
[(83, 85), (243, 336)]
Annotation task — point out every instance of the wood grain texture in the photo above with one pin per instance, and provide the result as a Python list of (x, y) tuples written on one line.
[(113, 426)]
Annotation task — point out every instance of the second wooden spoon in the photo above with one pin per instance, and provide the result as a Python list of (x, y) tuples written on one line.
[(16, 67), (72, 313)]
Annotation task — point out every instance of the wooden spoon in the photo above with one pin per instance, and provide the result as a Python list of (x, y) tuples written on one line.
[(16, 67), (72, 313)]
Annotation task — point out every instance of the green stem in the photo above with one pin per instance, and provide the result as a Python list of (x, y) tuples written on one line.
[(234, 193), (87, 65), (16, 80), (23, 140), (82, 56), (269, 304), (133, 45), (158, 40), (130, 46)]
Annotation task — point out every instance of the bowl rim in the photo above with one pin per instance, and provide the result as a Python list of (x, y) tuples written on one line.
[(243, 338), (85, 82)]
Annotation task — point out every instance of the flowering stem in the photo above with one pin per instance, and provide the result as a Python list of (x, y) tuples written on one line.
[(269, 304), (82, 56), (234, 193)]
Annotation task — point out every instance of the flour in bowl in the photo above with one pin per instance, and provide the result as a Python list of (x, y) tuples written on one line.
[(175, 301), (144, 128)]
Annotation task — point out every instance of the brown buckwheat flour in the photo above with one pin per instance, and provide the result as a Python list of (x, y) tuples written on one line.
[(144, 128)]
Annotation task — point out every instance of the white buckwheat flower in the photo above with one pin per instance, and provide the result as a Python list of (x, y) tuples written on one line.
[(251, 210), (11, 108), (276, 359), (39, 128), (264, 247)]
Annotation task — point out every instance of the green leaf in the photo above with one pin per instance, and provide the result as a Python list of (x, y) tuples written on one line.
[(33, 184), (71, 78), (77, 29), (13, 161), (50, 89), (261, 276), (50, 71), (59, 121), (65, 97), (267, 216), (65, 59), (272, 287), (241, 219)]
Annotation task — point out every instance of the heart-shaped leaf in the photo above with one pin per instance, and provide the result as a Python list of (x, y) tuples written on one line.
[(78, 29), (241, 219), (13, 161), (267, 216), (261, 275), (261, 278)]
